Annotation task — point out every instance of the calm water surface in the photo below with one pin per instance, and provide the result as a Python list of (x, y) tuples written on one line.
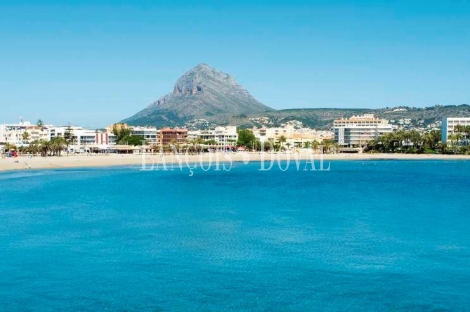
[(374, 236)]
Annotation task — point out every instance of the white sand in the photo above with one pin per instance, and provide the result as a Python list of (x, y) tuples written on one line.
[(26, 162)]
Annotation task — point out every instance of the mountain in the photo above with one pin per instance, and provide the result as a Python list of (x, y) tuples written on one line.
[(204, 98), (201, 93)]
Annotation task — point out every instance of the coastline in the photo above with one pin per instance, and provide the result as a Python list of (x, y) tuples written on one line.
[(77, 161)]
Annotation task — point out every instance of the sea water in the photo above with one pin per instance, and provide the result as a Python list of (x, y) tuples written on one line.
[(365, 235)]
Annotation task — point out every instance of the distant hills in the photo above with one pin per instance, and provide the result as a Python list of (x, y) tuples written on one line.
[(205, 97), (322, 118)]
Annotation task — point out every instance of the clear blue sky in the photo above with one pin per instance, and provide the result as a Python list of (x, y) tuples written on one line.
[(96, 62)]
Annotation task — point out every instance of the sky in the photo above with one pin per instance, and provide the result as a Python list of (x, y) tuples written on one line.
[(93, 63)]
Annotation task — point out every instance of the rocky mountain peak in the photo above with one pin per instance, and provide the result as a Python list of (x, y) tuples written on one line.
[(202, 92)]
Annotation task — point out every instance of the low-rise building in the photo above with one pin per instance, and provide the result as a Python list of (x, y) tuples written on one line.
[(23, 133), (221, 135), (149, 134), (85, 139), (294, 137)]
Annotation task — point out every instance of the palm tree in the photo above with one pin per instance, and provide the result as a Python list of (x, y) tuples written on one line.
[(40, 123), (25, 137), (432, 139), (10, 147), (57, 145), (282, 140), (325, 148), (45, 147), (315, 145), (68, 137), (34, 147)]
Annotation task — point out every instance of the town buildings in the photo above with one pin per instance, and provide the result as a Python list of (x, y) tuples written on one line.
[(22, 133), (294, 136), (224, 136), (358, 130)]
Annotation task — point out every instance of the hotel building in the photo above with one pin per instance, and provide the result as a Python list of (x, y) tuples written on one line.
[(149, 134), (85, 139), (449, 123), (294, 137), (221, 135), (358, 130), (168, 136), (15, 133)]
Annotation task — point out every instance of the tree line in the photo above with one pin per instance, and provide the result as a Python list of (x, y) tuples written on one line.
[(415, 142)]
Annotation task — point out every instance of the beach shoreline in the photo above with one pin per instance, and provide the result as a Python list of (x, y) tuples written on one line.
[(146, 160)]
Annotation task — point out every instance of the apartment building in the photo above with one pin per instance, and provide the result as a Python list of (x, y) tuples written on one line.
[(168, 136), (358, 130), (221, 135), (449, 123)]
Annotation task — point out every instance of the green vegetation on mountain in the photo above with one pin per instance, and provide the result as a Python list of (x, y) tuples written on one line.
[(204, 97)]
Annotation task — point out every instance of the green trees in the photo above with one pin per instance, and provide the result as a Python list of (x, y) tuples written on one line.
[(246, 138), (34, 147), (210, 142), (431, 142), (315, 145), (56, 145), (329, 147), (45, 147), (415, 142), (124, 135), (134, 140), (461, 134), (282, 140), (25, 137), (68, 137), (10, 147)]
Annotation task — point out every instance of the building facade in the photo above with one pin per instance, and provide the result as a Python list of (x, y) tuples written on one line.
[(358, 130), (449, 123), (168, 136), (85, 139), (23, 133), (149, 134), (226, 136)]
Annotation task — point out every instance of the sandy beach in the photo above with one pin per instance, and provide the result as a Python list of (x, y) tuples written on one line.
[(77, 161)]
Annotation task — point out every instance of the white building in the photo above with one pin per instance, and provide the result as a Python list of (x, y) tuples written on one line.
[(149, 134), (358, 130), (221, 135), (22, 133), (449, 123), (274, 133), (85, 139), (294, 137)]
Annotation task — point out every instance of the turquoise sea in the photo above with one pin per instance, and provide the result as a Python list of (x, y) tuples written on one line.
[(364, 236)]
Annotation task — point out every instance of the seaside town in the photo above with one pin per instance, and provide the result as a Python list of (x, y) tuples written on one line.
[(347, 135), (235, 156)]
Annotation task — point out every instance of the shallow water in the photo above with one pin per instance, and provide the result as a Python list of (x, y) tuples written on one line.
[(375, 235)]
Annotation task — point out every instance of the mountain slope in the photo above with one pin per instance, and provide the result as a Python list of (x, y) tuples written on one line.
[(202, 92)]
